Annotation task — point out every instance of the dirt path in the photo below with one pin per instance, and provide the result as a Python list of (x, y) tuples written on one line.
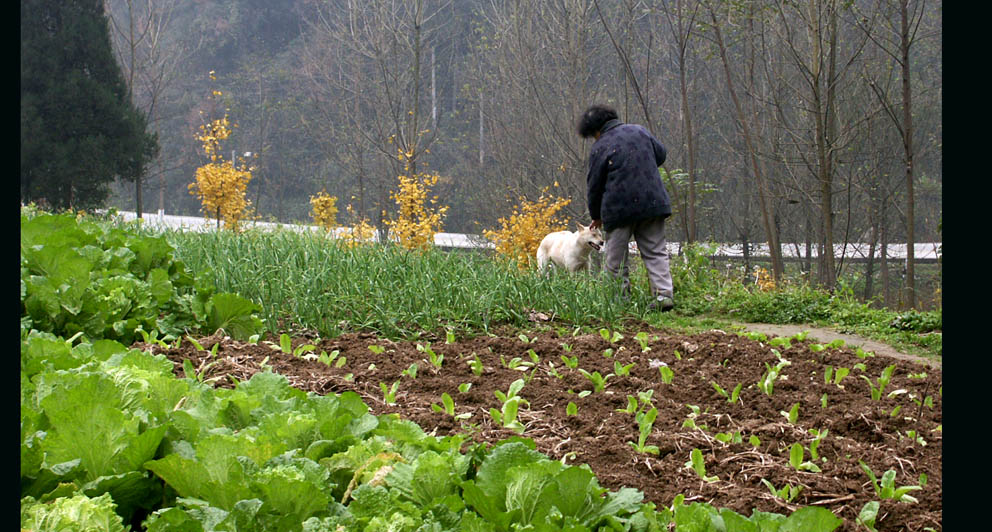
[(828, 335)]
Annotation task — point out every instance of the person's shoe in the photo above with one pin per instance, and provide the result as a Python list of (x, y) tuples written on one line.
[(662, 303)]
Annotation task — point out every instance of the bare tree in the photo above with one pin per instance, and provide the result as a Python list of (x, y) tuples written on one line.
[(372, 53), (681, 24), (143, 36), (775, 249), (538, 78), (897, 41)]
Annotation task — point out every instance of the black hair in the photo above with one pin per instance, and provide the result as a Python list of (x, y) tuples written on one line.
[(594, 118)]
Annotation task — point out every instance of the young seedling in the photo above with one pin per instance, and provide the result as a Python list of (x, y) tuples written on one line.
[(507, 416), (862, 354), (449, 336), (719, 389), (690, 420), (787, 493), (196, 344), (152, 338), (286, 346), (448, 407), (511, 392), (697, 464), (780, 341), (666, 373), (883, 381), (464, 387), (566, 347), (631, 406), (597, 379), (645, 421), (475, 365), (736, 393), (814, 446), (916, 438), (608, 352), (621, 371), (729, 437), (887, 488), (767, 382), (377, 349), (570, 362), (535, 360), (642, 338), (571, 409), (523, 338), (868, 514), (792, 415), (329, 359), (389, 392), (756, 336), (436, 360), (637, 404), (796, 454), (411, 371), (839, 375), (614, 338)]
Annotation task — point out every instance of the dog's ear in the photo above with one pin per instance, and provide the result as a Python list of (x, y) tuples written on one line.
[(580, 226)]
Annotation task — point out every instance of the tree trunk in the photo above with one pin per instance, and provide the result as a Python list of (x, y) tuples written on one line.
[(766, 217), (907, 139), (687, 124), (884, 270), (870, 265)]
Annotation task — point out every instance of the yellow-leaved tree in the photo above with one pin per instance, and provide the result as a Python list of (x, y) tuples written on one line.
[(221, 185), (324, 210), (519, 236), (416, 222)]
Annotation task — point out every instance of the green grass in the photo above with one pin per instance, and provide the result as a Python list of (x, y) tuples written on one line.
[(307, 281)]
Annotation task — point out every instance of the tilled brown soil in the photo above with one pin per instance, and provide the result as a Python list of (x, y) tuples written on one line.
[(598, 434)]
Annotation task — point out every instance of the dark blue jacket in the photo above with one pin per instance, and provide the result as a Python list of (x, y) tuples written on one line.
[(623, 184)]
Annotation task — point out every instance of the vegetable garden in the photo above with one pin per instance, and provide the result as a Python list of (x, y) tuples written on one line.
[(136, 414)]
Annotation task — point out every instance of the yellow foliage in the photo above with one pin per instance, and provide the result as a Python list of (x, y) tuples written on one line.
[(763, 279), (221, 186), (324, 210), (360, 233), (416, 223), (520, 235)]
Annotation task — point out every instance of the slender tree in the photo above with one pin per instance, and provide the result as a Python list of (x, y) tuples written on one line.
[(775, 250)]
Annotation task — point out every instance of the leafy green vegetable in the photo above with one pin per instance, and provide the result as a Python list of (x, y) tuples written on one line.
[(71, 513)]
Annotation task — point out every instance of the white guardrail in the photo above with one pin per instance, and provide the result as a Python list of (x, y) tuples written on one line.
[(928, 251)]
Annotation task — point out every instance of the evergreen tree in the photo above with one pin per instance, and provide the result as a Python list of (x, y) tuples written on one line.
[(79, 129)]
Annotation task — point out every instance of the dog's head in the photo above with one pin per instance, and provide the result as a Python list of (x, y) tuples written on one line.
[(591, 237)]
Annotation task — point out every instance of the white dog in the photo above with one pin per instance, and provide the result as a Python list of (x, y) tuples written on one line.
[(569, 250)]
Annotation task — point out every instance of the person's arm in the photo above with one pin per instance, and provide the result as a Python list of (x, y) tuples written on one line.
[(595, 183)]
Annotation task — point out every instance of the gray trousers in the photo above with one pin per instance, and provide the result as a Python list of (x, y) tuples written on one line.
[(650, 237)]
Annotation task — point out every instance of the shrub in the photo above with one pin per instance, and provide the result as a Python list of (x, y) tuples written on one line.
[(519, 236), (415, 223), (324, 210)]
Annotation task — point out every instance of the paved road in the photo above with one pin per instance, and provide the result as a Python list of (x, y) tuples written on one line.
[(827, 335)]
